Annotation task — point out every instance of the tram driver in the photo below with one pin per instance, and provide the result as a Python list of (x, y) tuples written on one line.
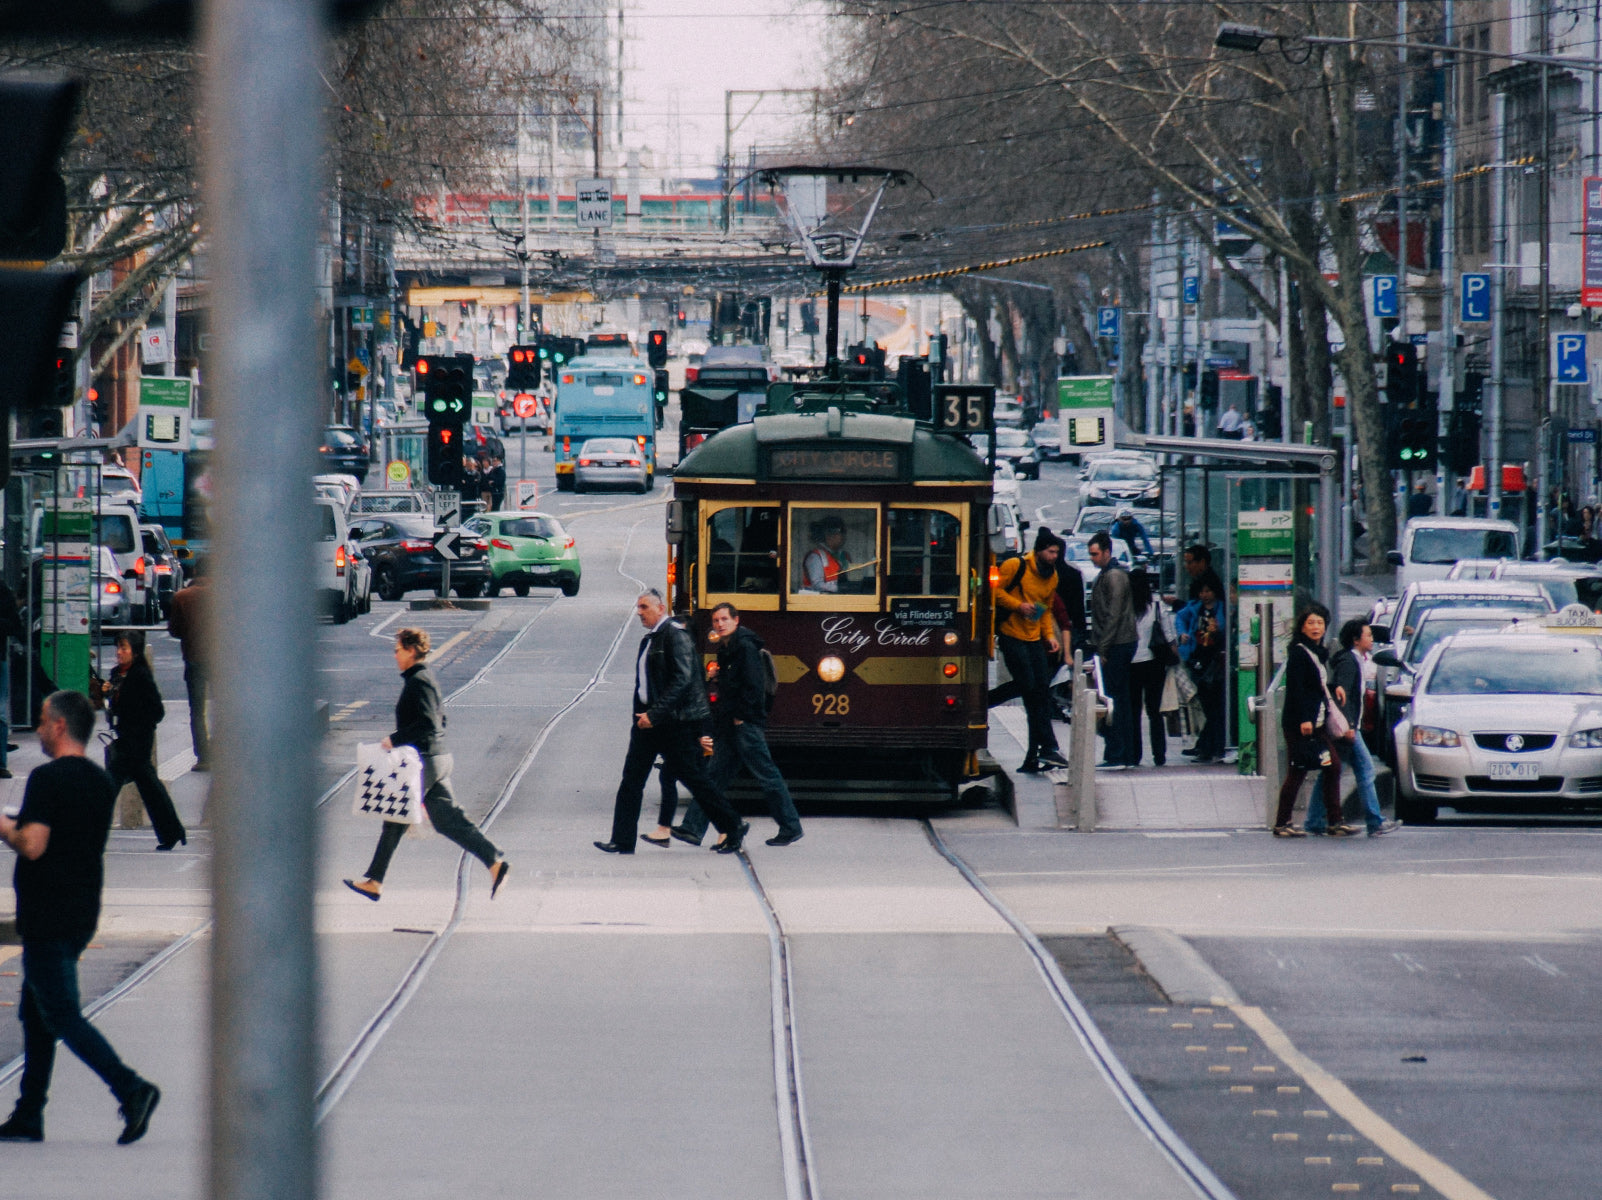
[(827, 563)]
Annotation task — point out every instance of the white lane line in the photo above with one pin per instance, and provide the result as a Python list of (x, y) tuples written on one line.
[(1341, 1099), (377, 631), (1540, 964)]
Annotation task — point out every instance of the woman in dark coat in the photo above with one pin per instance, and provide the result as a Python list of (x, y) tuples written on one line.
[(1306, 738), (420, 723), (133, 703)]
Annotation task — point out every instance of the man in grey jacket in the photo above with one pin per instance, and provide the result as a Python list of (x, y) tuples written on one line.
[(1112, 626)]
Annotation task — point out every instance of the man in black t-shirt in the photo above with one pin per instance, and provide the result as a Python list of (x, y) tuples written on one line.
[(60, 840)]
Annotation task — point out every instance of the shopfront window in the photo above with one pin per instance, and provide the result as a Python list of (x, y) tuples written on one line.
[(742, 555), (925, 549), (834, 550)]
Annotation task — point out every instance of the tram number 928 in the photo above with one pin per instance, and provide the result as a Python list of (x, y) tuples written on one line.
[(830, 704)]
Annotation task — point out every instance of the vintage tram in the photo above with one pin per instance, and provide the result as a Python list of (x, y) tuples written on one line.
[(853, 539)]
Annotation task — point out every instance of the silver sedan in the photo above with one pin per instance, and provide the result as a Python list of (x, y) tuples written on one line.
[(1503, 727), (611, 462)]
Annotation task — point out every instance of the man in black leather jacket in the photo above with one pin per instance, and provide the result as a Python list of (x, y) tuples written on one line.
[(670, 707), (739, 732)]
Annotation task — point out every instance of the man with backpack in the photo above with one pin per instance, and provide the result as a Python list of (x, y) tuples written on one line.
[(1027, 637), (742, 693)]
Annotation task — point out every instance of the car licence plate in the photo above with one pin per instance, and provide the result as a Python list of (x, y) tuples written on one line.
[(1515, 770)]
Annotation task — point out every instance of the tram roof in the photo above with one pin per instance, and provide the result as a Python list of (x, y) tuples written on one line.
[(736, 452)]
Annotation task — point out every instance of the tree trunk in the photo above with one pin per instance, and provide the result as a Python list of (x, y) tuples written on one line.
[(977, 308)]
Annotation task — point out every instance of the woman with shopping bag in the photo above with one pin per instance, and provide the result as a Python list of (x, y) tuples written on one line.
[(420, 723), (1309, 742)]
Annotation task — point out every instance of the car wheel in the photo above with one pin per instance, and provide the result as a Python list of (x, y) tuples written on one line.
[(650, 481), (570, 587), (341, 612), (1410, 810), (564, 483), (388, 586), (520, 589), (469, 591)]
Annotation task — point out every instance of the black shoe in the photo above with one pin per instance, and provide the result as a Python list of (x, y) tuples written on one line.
[(784, 839), (613, 848), (1030, 766), (136, 1112), (731, 842), (1053, 760), (10, 746), (498, 875), (684, 835), (201, 765), (656, 841), (1193, 752), (180, 840), (19, 1128)]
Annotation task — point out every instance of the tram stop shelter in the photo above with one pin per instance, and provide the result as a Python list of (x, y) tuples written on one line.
[(1270, 513)]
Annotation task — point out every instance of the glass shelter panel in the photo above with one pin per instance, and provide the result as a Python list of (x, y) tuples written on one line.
[(834, 555), (742, 550)]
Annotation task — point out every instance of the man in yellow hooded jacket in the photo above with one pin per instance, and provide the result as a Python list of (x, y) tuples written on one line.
[(1027, 636)]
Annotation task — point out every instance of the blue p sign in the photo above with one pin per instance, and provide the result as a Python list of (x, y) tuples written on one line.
[(1570, 354), (1108, 321), (1384, 295), (1476, 299), (1192, 288)]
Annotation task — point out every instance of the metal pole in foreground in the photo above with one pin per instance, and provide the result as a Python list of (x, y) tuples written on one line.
[(263, 156), (1493, 399)]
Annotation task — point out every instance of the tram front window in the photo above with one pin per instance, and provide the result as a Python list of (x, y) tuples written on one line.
[(925, 545), (743, 551), (835, 551)]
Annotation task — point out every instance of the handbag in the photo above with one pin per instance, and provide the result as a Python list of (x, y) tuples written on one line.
[(1162, 650), (1184, 684), (1170, 698), (1335, 721), (389, 784)]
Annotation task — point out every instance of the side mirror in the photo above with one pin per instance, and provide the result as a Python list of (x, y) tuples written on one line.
[(184, 553), (1387, 658), (1394, 557), (675, 523), (994, 522), (1023, 526)]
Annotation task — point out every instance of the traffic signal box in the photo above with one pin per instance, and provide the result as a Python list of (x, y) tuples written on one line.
[(523, 368), (1411, 416), (656, 348), (447, 384), (659, 389), (864, 362)]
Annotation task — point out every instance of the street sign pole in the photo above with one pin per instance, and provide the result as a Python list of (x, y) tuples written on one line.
[(447, 514), (263, 157)]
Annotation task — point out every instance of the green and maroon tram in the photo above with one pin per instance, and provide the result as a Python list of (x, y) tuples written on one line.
[(853, 539)]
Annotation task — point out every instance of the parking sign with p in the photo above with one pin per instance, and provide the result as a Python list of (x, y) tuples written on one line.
[(1475, 294)]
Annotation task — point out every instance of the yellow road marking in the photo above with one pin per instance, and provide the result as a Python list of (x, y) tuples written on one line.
[(1314, 1160), (348, 710), (1358, 1115)]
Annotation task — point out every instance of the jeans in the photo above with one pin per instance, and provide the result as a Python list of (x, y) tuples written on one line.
[(134, 764), (447, 819), (746, 745), (1356, 756), (199, 688), (679, 744), (1031, 679), (1121, 746), (1146, 680), (51, 1009)]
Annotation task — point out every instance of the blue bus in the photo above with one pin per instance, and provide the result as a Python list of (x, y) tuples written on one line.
[(602, 396)]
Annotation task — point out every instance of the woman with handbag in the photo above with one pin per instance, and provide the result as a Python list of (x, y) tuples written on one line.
[(1307, 737), (134, 707), (420, 723), (1346, 673), (1155, 640)]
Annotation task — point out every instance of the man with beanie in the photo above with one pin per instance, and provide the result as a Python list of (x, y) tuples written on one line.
[(1112, 623), (1027, 636)]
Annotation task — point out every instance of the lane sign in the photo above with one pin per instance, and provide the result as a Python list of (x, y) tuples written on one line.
[(447, 509), (1475, 306), (593, 204), (447, 542), (1384, 295), (1108, 322), (1570, 365)]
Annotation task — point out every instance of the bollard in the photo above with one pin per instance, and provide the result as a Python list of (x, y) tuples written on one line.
[(1076, 807)]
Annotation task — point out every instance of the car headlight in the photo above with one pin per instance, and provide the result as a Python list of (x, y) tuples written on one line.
[(1586, 739), (1430, 735)]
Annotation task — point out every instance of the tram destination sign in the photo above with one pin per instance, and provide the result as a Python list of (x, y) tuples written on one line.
[(885, 463), (923, 613)]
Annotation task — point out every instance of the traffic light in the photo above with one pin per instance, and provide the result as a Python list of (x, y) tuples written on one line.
[(447, 383), (656, 347), (809, 317), (683, 318), (1401, 375), (1415, 439), (1207, 394), (523, 368), (659, 389), (1463, 441)]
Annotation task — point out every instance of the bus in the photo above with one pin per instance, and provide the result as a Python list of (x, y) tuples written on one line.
[(602, 396)]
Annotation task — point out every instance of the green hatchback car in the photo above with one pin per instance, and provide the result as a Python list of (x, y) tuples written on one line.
[(528, 549)]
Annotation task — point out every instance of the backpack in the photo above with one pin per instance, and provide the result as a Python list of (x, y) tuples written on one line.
[(1017, 580), (770, 675)]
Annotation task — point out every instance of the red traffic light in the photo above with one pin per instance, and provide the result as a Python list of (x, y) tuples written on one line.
[(445, 433), (422, 366), (658, 338)]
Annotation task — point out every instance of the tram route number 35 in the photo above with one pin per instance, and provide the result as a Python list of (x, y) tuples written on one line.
[(964, 408), (830, 704)]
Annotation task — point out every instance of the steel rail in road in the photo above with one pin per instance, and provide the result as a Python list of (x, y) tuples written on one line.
[(795, 1140), (349, 1065), (1129, 1093)]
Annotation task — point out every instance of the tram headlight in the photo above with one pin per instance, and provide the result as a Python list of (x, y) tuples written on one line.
[(949, 670), (950, 638), (831, 669)]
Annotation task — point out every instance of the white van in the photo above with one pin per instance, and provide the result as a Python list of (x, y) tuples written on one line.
[(1431, 545)]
